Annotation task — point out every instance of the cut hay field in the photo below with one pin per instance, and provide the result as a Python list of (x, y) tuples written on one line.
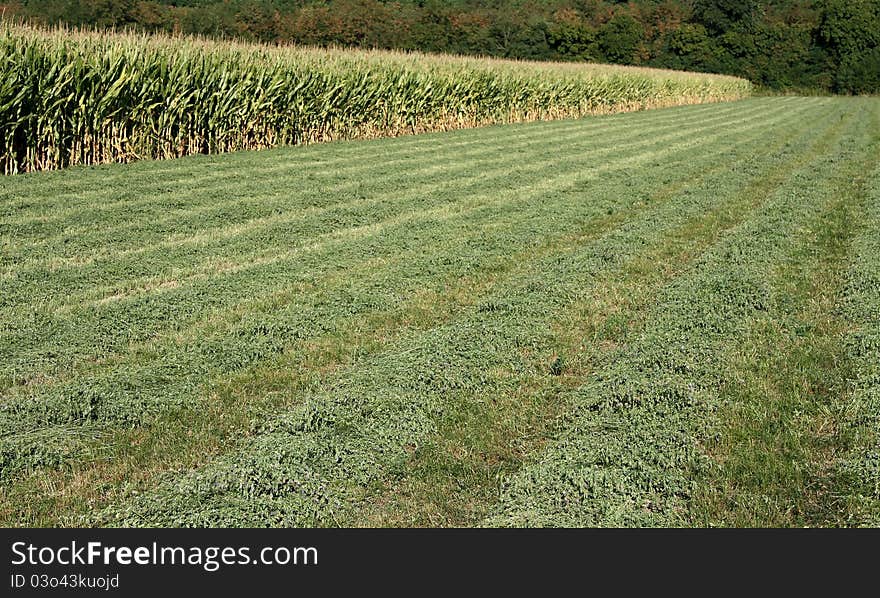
[(668, 317)]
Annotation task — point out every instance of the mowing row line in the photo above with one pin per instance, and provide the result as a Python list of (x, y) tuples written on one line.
[(87, 332), (309, 466), (313, 222), (369, 207), (453, 478), (156, 384), (857, 468), (225, 202), (53, 197), (771, 439), (101, 333), (630, 452)]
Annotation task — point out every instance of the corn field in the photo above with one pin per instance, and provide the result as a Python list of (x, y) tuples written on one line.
[(75, 97)]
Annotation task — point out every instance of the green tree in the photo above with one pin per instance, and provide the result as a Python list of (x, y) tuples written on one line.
[(690, 43), (850, 30), (619, 39), (572, 41), (719, 16)]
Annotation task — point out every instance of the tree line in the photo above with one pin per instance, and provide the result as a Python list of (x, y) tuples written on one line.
[(804, 45)]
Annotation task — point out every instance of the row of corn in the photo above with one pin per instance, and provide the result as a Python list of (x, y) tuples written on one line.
[(76, 97)]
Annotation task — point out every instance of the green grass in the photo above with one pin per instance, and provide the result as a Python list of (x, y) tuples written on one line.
[(659, 318)]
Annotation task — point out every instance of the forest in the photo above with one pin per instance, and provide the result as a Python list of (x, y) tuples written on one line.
[(807, 46)]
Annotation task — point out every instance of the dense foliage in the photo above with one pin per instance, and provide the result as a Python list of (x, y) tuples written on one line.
[(783, 44)]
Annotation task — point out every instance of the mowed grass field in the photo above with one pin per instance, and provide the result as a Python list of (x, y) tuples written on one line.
[(668, 317)]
